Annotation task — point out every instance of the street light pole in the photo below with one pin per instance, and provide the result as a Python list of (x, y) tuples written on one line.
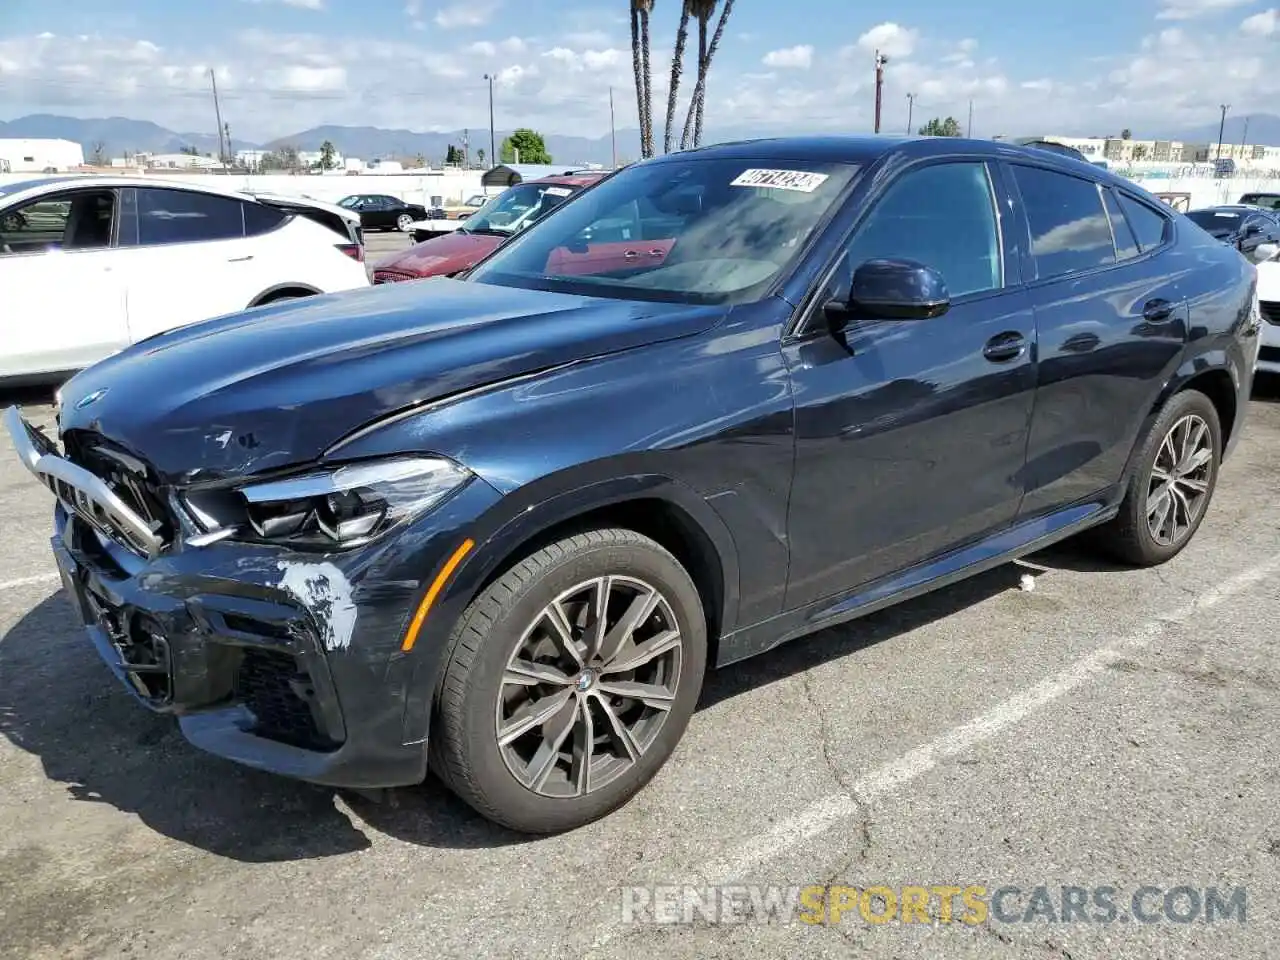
[(968, 131), (493, 149), (613, 131), (1221, 127), (881, 60), (911, 106)]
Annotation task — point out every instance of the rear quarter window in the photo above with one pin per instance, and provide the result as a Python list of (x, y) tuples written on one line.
[(260, 219), (1149, 225)]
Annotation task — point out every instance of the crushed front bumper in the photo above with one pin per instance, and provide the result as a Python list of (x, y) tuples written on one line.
[(243, 666)]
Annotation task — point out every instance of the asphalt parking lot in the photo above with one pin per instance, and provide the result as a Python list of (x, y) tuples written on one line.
[(1108, 727)]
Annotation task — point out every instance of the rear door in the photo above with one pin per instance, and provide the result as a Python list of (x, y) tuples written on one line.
[(63, 295), (1110, 320), (186, 257)]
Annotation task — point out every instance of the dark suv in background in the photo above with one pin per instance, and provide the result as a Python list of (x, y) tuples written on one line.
[(502, 525)]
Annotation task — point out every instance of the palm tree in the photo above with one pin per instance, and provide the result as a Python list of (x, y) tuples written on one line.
[(707, 67), (640, 10), (703, 11), (677, 67)]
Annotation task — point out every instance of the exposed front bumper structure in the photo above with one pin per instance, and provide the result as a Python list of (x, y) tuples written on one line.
[(284, 661)]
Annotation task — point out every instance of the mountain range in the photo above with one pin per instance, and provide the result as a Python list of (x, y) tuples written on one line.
[(116, 135)]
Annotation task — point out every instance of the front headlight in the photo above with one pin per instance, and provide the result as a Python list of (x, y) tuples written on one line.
[(338, 508)]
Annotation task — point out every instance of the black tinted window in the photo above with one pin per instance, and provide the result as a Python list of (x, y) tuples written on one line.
[(179, 216), (1148, 225), (1126, 247), (942, 216), (1069, 229), (259, 218)]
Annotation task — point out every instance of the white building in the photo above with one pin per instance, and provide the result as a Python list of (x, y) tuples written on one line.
[(181, 161), (37, 156)]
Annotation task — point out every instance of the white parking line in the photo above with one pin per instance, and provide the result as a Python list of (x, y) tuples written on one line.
[(25, 581), (822, 815)]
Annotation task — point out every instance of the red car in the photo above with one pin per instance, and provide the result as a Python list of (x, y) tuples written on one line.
[(484, 231)]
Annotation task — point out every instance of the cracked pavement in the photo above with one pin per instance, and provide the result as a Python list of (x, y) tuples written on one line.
[(1108, 727)]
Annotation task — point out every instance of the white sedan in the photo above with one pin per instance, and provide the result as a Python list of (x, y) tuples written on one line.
[(91, 264), (1269, 302)]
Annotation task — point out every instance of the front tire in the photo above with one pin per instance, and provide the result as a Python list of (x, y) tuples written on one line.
[(569, 681), (404, 222), (1171, 486)]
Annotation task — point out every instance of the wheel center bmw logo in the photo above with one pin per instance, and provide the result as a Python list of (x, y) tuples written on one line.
[(89, 398), (585, 680)]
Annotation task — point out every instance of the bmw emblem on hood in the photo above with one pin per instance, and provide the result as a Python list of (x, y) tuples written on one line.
[(89, 398)]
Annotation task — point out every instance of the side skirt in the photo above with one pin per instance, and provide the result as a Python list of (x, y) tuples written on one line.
[(1017, 541)]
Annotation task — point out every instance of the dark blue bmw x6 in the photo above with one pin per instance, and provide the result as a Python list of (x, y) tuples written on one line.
[(502, 524)]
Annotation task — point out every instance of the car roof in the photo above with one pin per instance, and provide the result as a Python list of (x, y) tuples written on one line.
[(52, 184), (577, 179), (865, 149)]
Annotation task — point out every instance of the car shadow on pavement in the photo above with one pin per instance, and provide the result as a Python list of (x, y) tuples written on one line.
[(61, 704)]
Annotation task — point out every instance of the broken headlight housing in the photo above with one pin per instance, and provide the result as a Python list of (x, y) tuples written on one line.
[(331, 509)]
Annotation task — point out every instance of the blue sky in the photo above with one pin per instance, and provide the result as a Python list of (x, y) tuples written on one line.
[(287, 64)]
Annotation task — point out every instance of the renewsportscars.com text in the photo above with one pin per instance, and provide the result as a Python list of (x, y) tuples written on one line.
[(943, 903)]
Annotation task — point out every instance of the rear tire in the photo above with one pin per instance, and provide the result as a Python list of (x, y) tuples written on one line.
[(1172, 484), (610, 706), (403, 222)]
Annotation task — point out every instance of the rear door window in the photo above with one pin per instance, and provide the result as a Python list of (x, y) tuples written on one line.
[(180, 216), (1070, 232)]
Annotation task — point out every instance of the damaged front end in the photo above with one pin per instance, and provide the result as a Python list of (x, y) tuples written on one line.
[(265, 614)]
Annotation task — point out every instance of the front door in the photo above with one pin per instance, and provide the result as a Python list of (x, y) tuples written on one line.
[(63, 300), (911, 435)]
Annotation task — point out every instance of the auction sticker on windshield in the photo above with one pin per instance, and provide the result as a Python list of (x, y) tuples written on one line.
[(799, 180), (558, 191)]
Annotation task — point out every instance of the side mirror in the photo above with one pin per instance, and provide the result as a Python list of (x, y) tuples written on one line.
[(892, 290), (1252, 230)]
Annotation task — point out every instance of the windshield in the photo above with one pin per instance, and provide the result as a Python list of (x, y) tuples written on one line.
[(515, 209), (1216, 221), (348, 201), (1271, 200), (689, 231)]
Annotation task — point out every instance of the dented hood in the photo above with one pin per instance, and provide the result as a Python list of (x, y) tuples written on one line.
[(278, 385)]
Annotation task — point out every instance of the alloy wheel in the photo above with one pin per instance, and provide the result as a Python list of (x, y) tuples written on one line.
[(1178, 488), (589, 686), (403, 222)]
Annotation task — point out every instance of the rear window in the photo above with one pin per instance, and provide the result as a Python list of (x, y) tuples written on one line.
[(1269, 200)]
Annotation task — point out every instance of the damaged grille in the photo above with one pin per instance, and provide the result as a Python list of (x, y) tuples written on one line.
[(1270, 310), (128, 477), (279, 694)]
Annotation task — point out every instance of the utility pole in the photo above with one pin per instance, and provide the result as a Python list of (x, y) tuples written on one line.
[(969, 129), (1243, 138), (613, 132), (493, 149), (911, 107), (226, 128), (217, 112), (881, 60), (1222, 126)]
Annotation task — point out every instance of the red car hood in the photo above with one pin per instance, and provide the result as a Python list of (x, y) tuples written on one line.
[(441, 256)]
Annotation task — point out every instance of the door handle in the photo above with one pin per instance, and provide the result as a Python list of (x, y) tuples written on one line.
[(240, 259), (630, 255), (1004, 347), (657, 252), (1157, 311)]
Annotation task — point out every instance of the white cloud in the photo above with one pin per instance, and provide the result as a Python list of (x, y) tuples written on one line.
[(474, 14), (794, 58), (1262, 24), (890, 39), (1190, 9), (1042, 85), (306, 79)]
